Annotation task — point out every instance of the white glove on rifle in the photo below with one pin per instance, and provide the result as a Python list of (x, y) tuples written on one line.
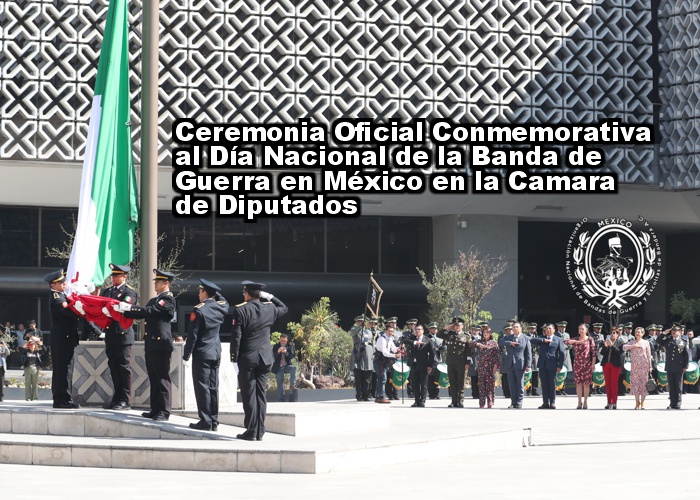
[(266, 295)]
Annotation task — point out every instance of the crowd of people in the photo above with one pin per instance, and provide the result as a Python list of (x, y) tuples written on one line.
[(641, 360)]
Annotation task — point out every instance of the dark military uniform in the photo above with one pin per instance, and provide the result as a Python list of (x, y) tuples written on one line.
[(251, 349), (64, 338), (118, 344), (204, 345), (439, 349), (456, 358), (677, 357), (158, 345)]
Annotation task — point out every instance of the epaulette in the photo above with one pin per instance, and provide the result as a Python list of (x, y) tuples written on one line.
[(241, 304), (55, 295), (267, 302), (199, 305), (221, 302), (129, 286), (169, 293)]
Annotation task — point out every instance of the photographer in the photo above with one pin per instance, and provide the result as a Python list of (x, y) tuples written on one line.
[(284, 354), (4, 352), (33, 361)]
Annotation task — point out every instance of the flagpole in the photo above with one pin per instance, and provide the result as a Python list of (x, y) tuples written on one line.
[(149, 146)]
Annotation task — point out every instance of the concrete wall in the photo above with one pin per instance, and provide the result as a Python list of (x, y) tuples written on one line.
[(493, 236)]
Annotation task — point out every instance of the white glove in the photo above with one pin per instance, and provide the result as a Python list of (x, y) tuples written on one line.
[(90, 287), (123, 306), (266, 295), (106, 312), (79, 306)]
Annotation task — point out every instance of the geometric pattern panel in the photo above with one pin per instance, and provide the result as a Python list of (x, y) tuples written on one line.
[(679, 57), (506, 61)]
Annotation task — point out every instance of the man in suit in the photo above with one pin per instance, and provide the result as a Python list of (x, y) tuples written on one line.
[(64, 338), (204, 345), (251, 349), (118, 341), (532, 334), (518, 359), (158, 341), (550, 362), (421, 358), (676, 363), (284, 354)]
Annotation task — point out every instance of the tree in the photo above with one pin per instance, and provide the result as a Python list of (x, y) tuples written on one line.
[(460, 287), (313, 339), (684, 307)]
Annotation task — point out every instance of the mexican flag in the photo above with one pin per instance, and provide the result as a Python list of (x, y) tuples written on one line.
[(108, 205)]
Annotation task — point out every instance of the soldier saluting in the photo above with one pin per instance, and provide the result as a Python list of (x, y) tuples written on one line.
[(676, 362), (457, 359)]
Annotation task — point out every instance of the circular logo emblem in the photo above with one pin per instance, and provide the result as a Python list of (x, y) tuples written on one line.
[(615, 268)]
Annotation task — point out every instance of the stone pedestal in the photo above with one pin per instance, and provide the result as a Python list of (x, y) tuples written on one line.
[(92, 385)]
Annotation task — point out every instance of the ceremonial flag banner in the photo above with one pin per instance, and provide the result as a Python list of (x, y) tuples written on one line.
[(108, 205), (374, 296)]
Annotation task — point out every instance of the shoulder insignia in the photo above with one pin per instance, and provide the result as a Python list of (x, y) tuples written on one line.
[(55, 295), (169, 293), (267, 302), (201, 304), (129, 286), (222, 302), (193, 316), (241, 304)]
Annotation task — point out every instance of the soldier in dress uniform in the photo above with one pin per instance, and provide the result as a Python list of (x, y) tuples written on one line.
[(375, 332), (676, 362), (472, 373), (251, 349), (362, 362), (408, 335), (158, 341), (64, 338), (563, 334), (535, 380), (439, 349), (204, 345), (657, 354), (457, 357), (118, 341), (502, 362)]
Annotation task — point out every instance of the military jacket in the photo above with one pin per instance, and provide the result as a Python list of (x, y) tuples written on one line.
[(64, 322), (203, 337), (677, 354), (250, 340), (158, 313), (363, 349), (458, 350), (115, 334), (439, 348)]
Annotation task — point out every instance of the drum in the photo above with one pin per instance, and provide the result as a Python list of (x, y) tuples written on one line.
[(662, 377), (527, 380), (691, 374), (598, 377), (628, 368), (401, 373), (560, 379), (443, 379)]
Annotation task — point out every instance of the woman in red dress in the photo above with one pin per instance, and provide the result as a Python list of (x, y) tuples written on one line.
[(585, 357)]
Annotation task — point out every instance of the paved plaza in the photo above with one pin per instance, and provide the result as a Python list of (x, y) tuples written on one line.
[(575, 454)]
